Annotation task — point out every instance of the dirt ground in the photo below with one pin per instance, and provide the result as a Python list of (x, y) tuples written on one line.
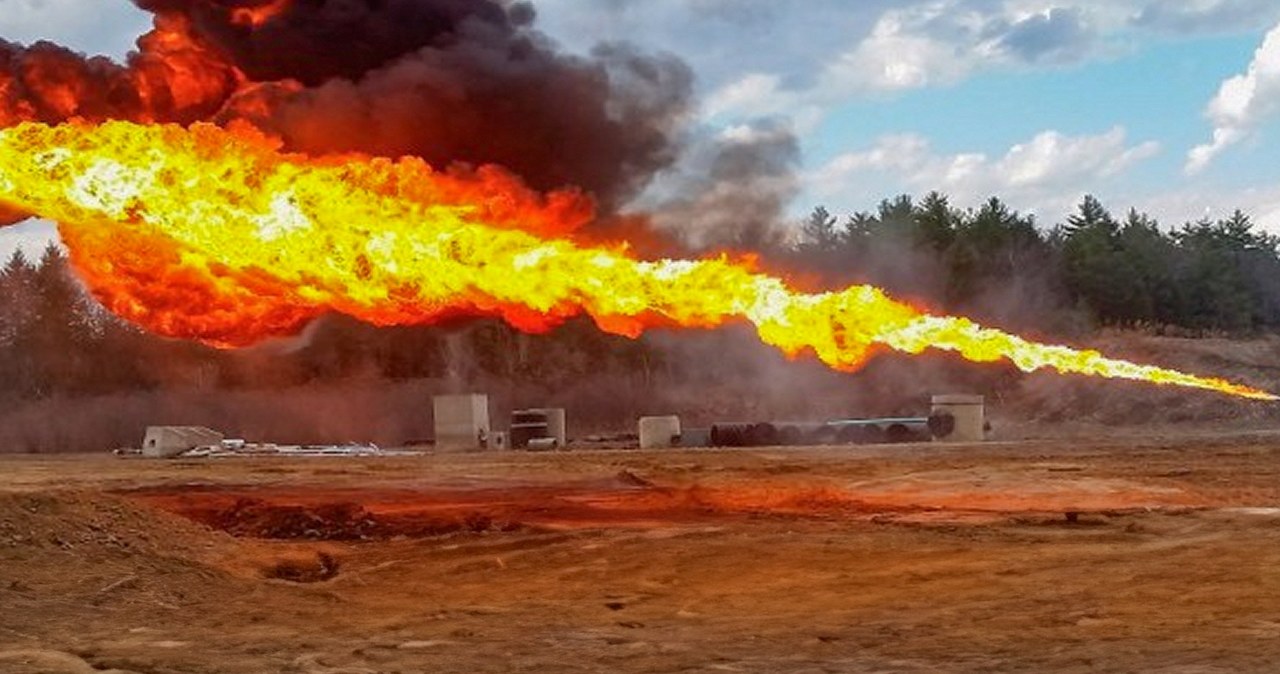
[(1154, 554)]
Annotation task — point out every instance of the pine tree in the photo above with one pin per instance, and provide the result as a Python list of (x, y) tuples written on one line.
[(61, 332), (1147, 259), (1094, 268), (17, 313), (1091, 215), (990, 245), (936, 221), (17, 296), (819, 231)]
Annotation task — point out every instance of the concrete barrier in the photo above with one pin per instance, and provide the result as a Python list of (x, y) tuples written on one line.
[(659, 432)]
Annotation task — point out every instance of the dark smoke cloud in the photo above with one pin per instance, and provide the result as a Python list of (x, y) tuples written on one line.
[(604, 124), (316, 41), (466, 81)]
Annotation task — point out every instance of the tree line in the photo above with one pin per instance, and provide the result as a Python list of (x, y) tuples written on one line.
[(57, 340), (1091, 270)]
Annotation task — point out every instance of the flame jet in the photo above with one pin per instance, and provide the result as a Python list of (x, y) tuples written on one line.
[(216, 235)]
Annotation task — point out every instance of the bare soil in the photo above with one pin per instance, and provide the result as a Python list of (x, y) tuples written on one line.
[(1158, 553)]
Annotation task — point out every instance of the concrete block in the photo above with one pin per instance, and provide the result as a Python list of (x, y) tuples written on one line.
[(659, 432), (969, 414), (461, 421)]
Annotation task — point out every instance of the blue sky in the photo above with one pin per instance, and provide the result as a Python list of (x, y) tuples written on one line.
[(1170, 107)]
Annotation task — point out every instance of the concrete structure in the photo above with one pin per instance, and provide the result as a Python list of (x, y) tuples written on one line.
[(556, 425), (527, 425), (461, 421), (968, 413), (168, 441), (659, 432), (538, 423)]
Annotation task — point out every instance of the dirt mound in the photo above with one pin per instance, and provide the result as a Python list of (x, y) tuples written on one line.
[(1045, 399), (101, 554), (96, 524)]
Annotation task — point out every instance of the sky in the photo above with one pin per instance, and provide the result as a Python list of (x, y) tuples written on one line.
[(1169, 107)]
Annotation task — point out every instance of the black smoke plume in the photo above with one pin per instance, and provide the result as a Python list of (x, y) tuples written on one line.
[(451, 81)]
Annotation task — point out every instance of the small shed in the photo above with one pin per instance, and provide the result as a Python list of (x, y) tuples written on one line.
[(167, 441)]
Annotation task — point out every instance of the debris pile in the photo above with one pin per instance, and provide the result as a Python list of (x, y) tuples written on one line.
[(235, 447)]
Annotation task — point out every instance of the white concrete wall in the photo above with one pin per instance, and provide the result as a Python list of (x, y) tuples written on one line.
[(461, 421)]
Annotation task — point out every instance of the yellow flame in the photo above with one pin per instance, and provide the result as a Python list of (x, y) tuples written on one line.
[(254, 241)]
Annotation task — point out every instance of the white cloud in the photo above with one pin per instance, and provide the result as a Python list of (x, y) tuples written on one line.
[(83, 25), (1044, 175), (1175, 208), (931, 43), (1205, 16), (1242, 103), (723, 40), (31, 237), (761, 93), (901, 53), (1054, 160), (758, 60)]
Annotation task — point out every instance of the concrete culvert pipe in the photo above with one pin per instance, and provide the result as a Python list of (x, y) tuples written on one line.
[(897, 433), (942, 424), (729, 434), (744, 434), (765, 434)]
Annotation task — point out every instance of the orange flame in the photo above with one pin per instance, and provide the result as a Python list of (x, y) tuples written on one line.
[(216, 235)]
